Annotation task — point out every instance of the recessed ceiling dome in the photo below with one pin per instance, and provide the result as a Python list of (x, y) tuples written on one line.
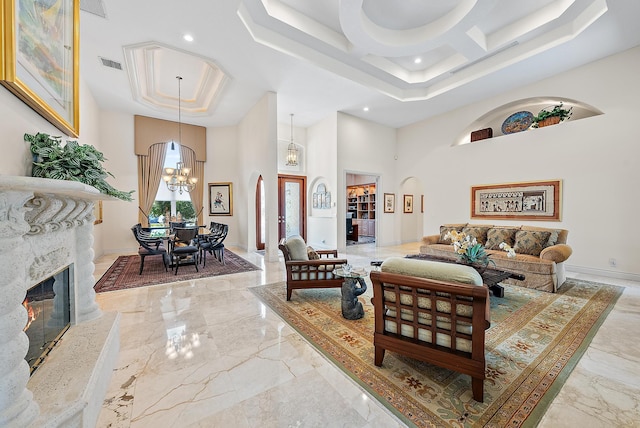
[(152, 68)]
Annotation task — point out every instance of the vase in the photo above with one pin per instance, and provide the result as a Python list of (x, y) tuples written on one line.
[(552, 120)]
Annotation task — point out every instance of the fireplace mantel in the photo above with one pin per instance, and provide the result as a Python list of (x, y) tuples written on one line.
[(46, 225)]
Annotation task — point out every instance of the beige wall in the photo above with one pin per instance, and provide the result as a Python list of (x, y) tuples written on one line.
[(597, 159)]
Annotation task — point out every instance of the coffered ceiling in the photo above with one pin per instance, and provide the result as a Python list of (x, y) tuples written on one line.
[(405, 60)]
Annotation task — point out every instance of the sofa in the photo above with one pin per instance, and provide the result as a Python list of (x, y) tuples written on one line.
[(540, 251), (408, 295)]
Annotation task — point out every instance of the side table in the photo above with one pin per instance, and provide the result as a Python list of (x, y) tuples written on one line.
[(352, 286)]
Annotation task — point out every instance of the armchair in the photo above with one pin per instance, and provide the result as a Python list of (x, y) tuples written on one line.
[(409, 294), (304, 273)]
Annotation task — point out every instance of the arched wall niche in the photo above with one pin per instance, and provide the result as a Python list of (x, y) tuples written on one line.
[(496, 117)]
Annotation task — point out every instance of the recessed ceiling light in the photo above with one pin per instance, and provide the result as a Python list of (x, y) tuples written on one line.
[(366, 109), (188, 37), (417, 60)]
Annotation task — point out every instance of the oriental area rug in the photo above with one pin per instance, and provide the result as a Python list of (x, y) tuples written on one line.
[(535, 341), (123, 273)]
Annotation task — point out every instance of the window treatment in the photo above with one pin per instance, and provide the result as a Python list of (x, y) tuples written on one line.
[(149, 177), (197, 170)]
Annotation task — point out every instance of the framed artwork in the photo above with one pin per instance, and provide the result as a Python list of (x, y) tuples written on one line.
[(535, 200), (220, 199), (321, 197), (40, 58), (97, 212), (389, 202), (421, 203), (408, 204)]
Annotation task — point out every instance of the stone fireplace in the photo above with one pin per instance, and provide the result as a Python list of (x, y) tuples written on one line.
[(46, 226)]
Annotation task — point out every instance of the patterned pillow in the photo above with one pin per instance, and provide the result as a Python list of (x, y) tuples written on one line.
[(553, 238), (497, 236), (445, 229), (531, 241), (478, 232), (312, 254)]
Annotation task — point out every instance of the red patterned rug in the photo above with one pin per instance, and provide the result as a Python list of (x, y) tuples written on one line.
[(123, 273), (535, 340)]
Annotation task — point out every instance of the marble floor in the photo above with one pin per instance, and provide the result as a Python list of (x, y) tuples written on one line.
[(233, 363)]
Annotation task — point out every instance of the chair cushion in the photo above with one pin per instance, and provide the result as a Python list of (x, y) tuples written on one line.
[(297, 248), (189, 249), (432, 270)]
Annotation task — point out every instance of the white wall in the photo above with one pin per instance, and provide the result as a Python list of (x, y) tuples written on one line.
[(321, 167), (367, 148), (597, 159), (257, 148)]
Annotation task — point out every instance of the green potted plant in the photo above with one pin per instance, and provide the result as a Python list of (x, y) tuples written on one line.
[(72, 162), (554, 116)]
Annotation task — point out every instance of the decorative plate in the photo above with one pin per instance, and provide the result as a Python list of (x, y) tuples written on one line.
[(517, 122)]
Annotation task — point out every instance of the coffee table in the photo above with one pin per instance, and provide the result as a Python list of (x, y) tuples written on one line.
[(490, 277)]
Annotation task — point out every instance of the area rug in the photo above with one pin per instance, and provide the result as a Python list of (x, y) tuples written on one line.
[(123, 273), (535, 340)]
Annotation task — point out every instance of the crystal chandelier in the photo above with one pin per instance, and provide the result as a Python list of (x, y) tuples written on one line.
[(292, 150), (178, 178)]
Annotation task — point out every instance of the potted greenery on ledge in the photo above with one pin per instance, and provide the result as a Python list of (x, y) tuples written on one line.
[(552, 117), (72, 162)]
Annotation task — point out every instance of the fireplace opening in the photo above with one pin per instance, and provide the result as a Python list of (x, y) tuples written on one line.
[(49, 308)]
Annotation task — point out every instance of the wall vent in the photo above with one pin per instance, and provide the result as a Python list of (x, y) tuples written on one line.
[(93, 6), (111, 63)]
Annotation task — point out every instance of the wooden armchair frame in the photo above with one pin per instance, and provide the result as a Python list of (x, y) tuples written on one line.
[(312, 273), (407, 291)]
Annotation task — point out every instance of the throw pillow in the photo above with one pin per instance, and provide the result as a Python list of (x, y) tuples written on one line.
[(553, 238), (297, 248), (478, 232), (312, 254), (446, 229), (496, 236), (531, 241)]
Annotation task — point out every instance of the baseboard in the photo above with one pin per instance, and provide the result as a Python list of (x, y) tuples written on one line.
[(602, 272)]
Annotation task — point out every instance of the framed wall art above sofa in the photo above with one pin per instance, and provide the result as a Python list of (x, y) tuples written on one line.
[(534, 200)]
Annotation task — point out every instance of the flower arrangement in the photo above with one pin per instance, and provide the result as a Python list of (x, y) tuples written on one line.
[(511, 253), (468, 249)]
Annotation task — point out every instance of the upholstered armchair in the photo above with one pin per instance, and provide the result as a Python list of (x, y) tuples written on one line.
[(304, 271), (408, 295)]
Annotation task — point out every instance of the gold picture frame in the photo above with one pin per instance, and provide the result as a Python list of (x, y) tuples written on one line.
[(221, 198), (533, 200), (97, 212), (41, 56)]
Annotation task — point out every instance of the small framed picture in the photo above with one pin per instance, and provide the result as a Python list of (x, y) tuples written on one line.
[(408, 204), (389, 202), (220, 199)]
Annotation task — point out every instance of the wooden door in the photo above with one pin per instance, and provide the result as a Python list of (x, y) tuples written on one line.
[(260, 214), (292, 206)]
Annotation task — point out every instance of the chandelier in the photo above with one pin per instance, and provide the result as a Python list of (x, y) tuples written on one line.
[(292, 150), (178, 178)]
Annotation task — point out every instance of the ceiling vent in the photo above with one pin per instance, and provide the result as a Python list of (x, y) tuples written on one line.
[(93, 6), (111, 63)]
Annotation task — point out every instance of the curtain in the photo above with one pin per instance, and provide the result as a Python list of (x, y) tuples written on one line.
[(197, 171), (149, 177)]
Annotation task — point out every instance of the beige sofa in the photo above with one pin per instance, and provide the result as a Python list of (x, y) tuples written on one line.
[(540, 251)]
